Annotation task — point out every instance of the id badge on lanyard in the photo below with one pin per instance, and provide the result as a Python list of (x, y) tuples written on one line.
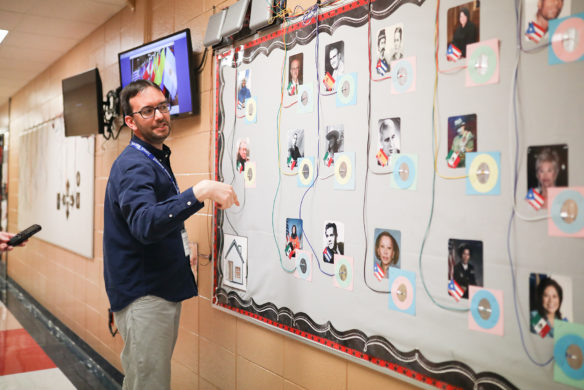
[(185, 241)]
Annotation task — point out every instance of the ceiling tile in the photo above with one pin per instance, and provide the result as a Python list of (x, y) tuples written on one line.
[(9, 20), (21, 6), (39, 41), (41, 32)]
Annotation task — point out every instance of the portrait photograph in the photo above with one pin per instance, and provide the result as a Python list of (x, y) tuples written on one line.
[(547, 166), (334, 64), (462, 138), (539, 13), (395, 42), (550, 300), (386, 252), (293, 236), (295, 73), (383, 52), (465, 264), (462, 28), (295, 147), (333, 241), (388, 140), (243, 154), (334, 141), (243, 87)]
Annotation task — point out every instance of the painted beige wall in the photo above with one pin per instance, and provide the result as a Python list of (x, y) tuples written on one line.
[(214, 349)]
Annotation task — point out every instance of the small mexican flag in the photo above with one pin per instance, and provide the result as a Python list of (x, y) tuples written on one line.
[(239, 167), (328, 159), (453, 159), (540, 325)]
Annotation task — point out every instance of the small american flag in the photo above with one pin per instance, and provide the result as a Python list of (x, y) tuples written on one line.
[(534, 32), (534, 198), (378, 272), (453, 53), (455, 290)]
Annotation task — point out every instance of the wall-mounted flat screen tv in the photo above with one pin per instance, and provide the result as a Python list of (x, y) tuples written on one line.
[(167, 62), (83, 104)]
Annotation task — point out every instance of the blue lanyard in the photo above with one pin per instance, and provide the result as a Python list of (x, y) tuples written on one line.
[(147, 153)]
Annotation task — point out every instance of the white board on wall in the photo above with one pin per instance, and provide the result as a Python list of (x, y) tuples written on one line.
[(56, 186)]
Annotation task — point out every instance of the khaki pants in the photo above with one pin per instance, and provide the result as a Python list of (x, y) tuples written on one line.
[(149, 328)]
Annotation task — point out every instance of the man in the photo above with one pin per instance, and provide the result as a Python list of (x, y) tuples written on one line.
[(146, 251), (382, 66), (293, 77), (388, 139), (397, 44), (332, 246), (462, 143), (243, 94), (546, 11), (293, 151), (242, 155), (464, 273), (333, 136), (335, 64)]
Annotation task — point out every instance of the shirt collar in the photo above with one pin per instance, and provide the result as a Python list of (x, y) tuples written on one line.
[(159, 154)]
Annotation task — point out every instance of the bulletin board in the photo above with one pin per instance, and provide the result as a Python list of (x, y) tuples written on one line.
[(395, 209), (56, 185)]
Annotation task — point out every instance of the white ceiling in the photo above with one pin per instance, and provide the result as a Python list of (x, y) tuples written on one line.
[(41, 31)]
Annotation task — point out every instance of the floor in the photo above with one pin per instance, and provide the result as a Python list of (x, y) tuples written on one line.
[(36, 354)]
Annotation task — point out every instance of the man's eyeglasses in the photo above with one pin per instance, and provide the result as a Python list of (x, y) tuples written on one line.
[(148, 112)]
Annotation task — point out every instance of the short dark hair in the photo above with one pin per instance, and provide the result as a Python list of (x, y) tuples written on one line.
[(331, 225), (131, 90), (462, 248), (541, 288), (398, 29)]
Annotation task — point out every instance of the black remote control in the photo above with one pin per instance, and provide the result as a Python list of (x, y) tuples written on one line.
[(24, 235)]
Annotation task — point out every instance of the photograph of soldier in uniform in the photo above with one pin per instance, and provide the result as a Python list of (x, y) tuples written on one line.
[(465, 264)]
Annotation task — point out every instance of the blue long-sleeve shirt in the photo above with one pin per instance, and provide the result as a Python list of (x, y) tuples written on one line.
[(143, 218)]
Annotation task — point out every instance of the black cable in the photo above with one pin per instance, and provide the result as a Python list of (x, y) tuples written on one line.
[(368, 151), (201, 66)]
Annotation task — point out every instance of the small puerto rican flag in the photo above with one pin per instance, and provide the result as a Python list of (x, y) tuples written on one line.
[(328, 159), (382, 67), (289, 250), (455, 290), (534, 198), (534, 32), (540, 325), (453, 53), (453, 159), (382, 158), (328, 81), (378, 272)]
